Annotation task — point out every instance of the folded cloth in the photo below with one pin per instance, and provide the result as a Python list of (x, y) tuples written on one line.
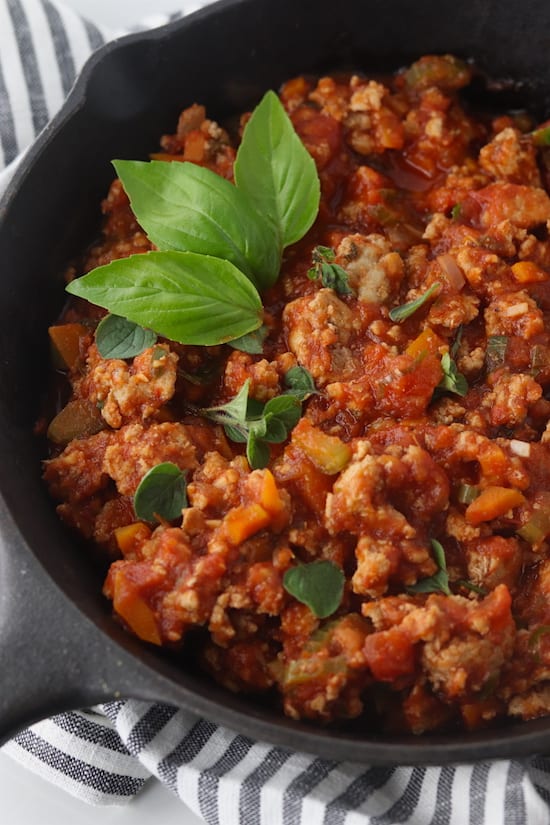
[(105, 756)]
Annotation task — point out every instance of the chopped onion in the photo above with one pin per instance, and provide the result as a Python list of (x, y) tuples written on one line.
[(516, 310), (467, 493), (521, 448), (452, 271)]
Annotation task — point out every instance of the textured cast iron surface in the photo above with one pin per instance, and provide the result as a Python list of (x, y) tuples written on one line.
[(59, 648)]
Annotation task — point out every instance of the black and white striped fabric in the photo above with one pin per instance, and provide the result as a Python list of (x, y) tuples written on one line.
[(105, 756)]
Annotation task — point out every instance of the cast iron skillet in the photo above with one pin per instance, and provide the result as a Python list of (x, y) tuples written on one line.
[(59, 647)]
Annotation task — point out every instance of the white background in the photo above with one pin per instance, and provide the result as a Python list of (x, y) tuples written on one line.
[(24, 798)]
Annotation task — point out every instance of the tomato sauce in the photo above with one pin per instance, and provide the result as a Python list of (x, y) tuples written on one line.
[(421, 464)]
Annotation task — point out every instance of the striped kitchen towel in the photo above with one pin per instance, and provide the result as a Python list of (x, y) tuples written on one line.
[(105, 756)]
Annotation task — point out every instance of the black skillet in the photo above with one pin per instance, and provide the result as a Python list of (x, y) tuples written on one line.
[(59, 647)]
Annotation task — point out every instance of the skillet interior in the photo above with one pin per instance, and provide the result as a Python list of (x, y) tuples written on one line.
[(59, 646)]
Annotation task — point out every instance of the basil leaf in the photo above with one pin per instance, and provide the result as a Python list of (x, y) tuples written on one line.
[(275, 430), (234, 412), (188, 208), (453, 380), (190, 298), (319, 585), (161, 493), (253, 343), (439, 582), (276, 172), (299, 382), (399, 314), (117, 337), (286, 408), (257, 453), (330, 274), (336, 278)]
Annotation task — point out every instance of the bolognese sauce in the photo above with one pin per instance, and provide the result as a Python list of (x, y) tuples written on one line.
[(420, 465)]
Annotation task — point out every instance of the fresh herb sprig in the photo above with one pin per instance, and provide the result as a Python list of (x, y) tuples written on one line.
[(401, 313), (161, 493), (439, 582), (453, 380), (319, 585), (117, 337), (257, 425), (325, 270), (218, 244)]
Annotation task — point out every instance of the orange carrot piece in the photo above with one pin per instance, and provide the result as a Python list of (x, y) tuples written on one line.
[(492, 503), (242, 522), (270, 499), (426, 343), (66, 341), (527, 272), (129, 536), (135, 611)]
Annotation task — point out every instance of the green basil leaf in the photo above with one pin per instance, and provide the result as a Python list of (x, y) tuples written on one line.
[(319, 585), (190, 298), (275, 430), (234, 412), (253, 343), (299, 382), (161, 493), (233, 432), (117, 337), (276, 172), (257, 453), (399, 314), (188, 208), (286, 408), (439, 582), (453, 380), (336, 278)]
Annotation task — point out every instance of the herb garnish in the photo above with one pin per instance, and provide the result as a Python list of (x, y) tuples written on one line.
[(330, 274), (161, 493), (253, 342), (249, 422), (299, 382), (453, 380), (495, 354), (404, 311), (218, 243), (117, 337), (319, 585), (439, 582)]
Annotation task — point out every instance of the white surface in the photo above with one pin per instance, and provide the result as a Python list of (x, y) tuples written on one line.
[(26, 799)]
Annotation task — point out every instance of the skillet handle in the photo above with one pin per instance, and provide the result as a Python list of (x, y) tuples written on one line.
[(52, 658)]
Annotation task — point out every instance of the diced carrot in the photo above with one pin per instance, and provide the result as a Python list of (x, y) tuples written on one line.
[(66, 341), (492, 503), (270, 499), (526, 272), (130, 536), (195, 146), (242, 522), (327, 452), (426, 342), (134, 610)]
